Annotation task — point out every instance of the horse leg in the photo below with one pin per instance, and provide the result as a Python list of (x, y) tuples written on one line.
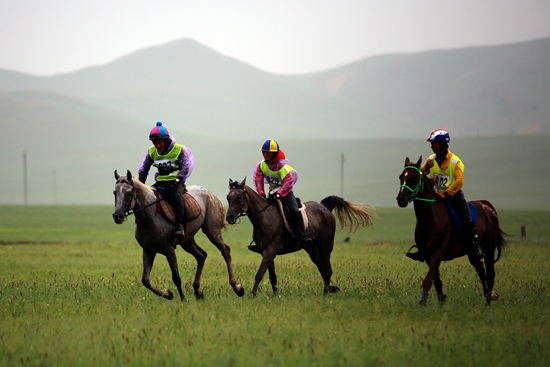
[(433, 263), (438, 285), (480, 270), (273, 278), (173, 262), (322, 261), (217, 240), (200, 256), (490, 266), (267, 260), (148, 260)]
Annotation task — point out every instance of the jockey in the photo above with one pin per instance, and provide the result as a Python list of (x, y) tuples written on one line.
[(447, 170), (275, 171), (174, 163)]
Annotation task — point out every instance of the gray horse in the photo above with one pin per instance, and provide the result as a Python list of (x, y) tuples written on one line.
[(155, 234)]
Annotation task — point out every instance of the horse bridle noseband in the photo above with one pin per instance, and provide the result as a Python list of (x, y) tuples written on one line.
[(131, 210), (419, 187), (244, 213)]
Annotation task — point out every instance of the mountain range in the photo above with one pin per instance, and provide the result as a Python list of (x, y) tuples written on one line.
[(75, 128)]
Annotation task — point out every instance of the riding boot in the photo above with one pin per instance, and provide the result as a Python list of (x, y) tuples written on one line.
[(179, 213), (298, 222), (475, 249)]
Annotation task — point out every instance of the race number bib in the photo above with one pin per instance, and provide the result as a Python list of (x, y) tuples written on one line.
[(441, 181)]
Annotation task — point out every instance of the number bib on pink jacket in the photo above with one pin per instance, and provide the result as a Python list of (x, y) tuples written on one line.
[(275, 178)]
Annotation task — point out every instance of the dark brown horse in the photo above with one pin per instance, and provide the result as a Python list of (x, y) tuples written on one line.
[(155, 234), (272, 238), (438, 238)]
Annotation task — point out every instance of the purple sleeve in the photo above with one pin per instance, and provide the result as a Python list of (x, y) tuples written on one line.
[(187, 163), (146, 164)]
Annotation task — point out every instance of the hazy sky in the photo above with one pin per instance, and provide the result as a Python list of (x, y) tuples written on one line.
[(44, 37)]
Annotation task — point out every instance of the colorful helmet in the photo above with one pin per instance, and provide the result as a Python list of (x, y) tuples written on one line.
[(270, 146), (439, 136), (159, 132)]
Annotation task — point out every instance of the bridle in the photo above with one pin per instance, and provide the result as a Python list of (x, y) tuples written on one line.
[(134, 203), (244, 200), (419, 187)]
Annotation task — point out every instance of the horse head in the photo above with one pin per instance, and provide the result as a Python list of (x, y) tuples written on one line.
[(411, 182), (124, 196), (237, 200)]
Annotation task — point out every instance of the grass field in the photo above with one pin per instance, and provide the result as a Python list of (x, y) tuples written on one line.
[(70, 294)]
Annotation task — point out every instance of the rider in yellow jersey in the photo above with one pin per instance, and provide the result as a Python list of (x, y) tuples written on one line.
[(447, 171)]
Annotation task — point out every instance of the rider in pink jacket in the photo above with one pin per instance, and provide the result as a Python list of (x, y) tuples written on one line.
[(275, 171)]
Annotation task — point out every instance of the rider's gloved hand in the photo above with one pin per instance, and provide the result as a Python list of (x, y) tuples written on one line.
[(273, 198)]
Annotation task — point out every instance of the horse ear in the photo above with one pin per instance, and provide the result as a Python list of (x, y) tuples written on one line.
[(230, 183), (419, 161), (243, 182), (407, 161), (129, 175), (117, 176)]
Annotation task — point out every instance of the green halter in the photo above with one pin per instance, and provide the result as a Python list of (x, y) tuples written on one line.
[(419, 187)]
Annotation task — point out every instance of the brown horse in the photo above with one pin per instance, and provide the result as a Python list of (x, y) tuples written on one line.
[(273, 239), (438, 238), (156, 235)]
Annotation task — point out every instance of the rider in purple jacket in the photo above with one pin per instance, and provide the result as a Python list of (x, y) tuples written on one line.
[(174, 163)]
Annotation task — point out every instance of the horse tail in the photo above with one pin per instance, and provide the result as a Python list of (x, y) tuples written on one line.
[(218, 206), (501, 241), (351, 216)]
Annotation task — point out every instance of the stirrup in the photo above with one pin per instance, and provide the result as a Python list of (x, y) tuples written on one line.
[(180, 231)]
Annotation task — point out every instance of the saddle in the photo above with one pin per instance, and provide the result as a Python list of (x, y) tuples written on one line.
[(192, 207), (287, 219), (454, 216), (456, 222)]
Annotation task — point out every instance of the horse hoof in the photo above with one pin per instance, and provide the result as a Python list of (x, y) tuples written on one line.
[(169, 295), (493, 296), (239, 289), (199, 295), (422, 303)]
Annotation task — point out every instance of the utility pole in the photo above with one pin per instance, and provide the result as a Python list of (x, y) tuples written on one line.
[(342, 175), (25, 177)]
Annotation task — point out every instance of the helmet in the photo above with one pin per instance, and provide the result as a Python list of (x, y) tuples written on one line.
[(159, 132), (270, 146), (439, 136)]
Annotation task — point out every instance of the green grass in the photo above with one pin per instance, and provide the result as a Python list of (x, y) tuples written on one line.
[(73, 296)]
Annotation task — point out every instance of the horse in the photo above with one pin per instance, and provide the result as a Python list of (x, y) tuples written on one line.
[(440, 240), (155, 234), (272, 239)]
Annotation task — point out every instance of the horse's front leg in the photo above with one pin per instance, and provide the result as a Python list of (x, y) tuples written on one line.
[(434, 262), (267, 260), (173, 262), (148, 260)]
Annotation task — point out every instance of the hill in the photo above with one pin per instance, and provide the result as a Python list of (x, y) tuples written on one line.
[(76, 128), (477, 91)]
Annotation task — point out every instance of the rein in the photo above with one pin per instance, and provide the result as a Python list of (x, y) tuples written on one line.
[(131, 210), (246, 213), (419, 187)]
